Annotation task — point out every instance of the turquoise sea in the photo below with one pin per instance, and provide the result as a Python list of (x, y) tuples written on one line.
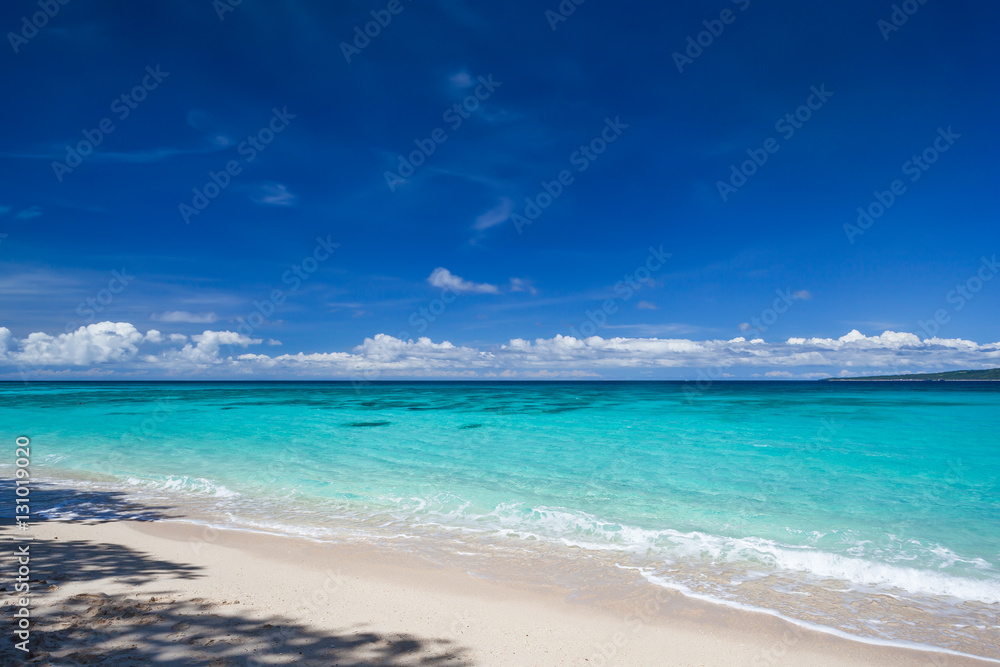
[(868, 509)]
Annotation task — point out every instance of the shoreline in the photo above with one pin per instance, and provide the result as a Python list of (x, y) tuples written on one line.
[(323, 590), (579, 574)]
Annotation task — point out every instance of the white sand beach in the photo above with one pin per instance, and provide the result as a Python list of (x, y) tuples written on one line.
[(173, 593)]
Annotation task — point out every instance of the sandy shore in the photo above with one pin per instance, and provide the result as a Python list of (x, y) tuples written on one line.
[(167, 592)]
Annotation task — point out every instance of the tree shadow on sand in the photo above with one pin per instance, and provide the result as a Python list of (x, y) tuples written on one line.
[(48, 501), (58, 561), (94, 628)]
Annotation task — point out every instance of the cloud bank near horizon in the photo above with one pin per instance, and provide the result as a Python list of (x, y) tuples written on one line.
[(118, 349)]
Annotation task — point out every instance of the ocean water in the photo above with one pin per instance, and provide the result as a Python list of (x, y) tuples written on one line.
[(868, 509)]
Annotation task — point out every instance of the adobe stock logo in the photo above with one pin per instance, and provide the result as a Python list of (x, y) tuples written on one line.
[(223, 7), (38, 20), (122, 107), (898, 18), (696, 45), (294, 277), (455, 116), (92, 306), (249, 148), (624, 289), (581, 158), (962, 294), (565, 9), (381, 18), (787, 125), (914, 168)]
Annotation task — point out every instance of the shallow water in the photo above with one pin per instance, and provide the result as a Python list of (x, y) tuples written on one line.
[(873, 509)]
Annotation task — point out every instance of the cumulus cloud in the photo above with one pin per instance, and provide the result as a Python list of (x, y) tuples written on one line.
[(154, 336), (442, 277), (184, 316), (93, 344), (6, 339), (206, 351), (115, 343), (121, 346), (902, 352)]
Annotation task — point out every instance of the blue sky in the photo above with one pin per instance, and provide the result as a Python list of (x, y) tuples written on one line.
[(311, 121)]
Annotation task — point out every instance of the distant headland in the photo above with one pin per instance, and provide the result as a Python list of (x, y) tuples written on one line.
[(986, 375)]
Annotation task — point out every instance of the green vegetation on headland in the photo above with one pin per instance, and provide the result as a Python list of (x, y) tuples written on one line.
[(988, 375)]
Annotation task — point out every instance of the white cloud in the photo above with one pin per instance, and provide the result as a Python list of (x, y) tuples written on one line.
[(461, 79), (441, 277), (208, 343), (119, 346), (522, 285), (646, 305), (184, 316), (787, 375), (900, 351), (114, 343), (154, 336), (495, 216), (93, 344), (28, 213), (274, 194), (802, 295), (6, 340), (210, 349)]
